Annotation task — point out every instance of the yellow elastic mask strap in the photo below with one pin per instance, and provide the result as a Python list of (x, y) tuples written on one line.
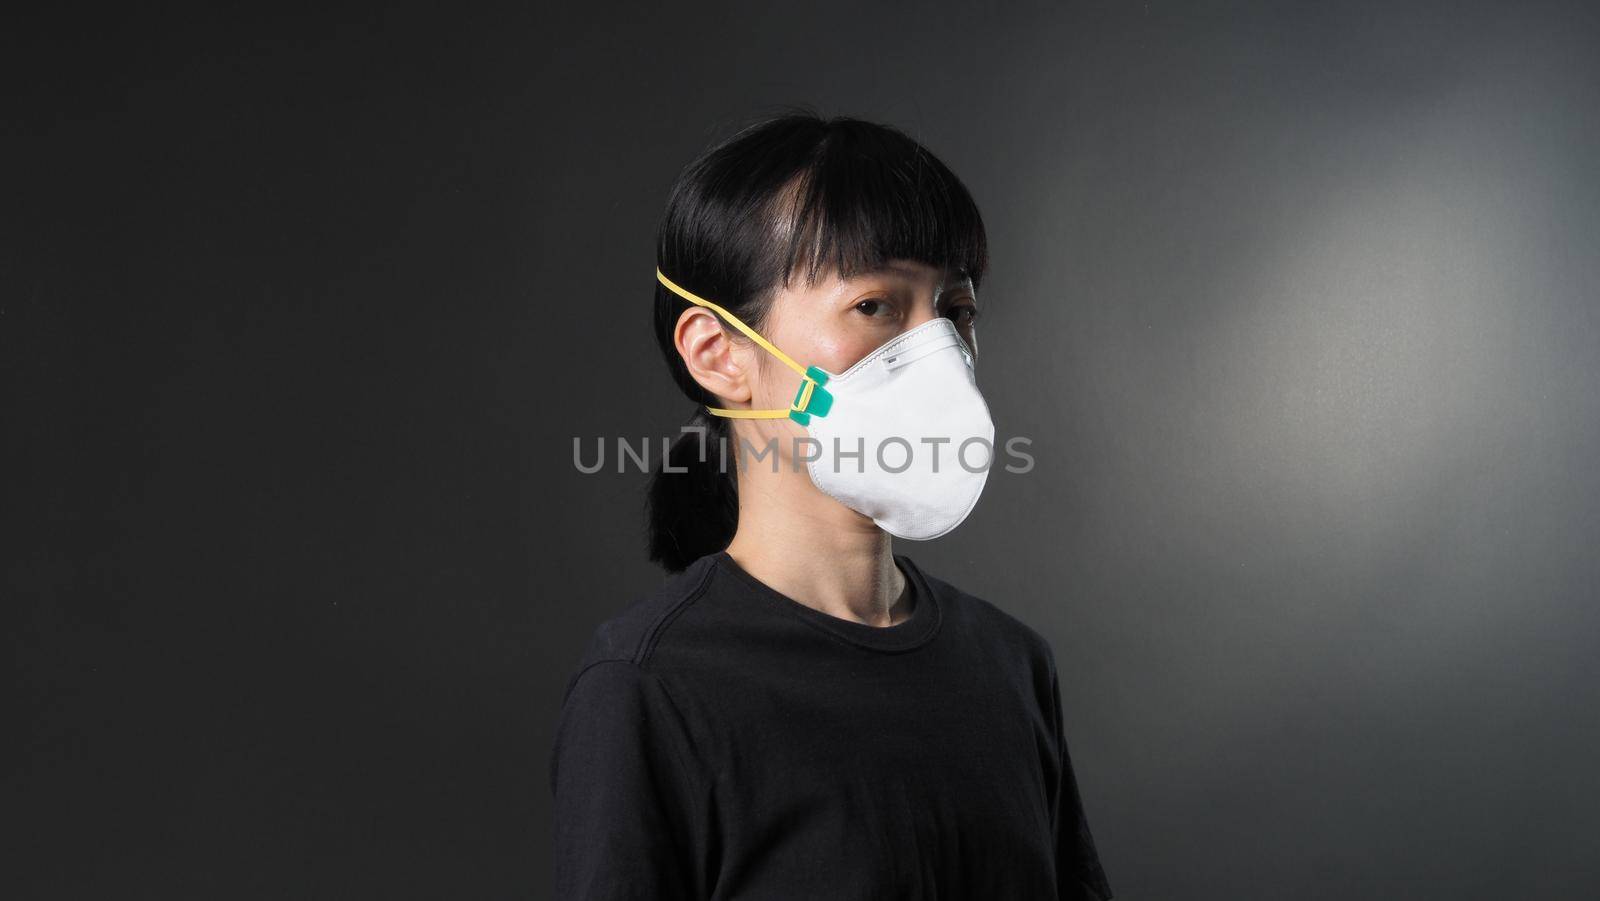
[(811, 400)]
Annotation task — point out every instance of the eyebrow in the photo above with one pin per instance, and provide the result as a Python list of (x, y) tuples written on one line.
[(955, 275), (904, 268)]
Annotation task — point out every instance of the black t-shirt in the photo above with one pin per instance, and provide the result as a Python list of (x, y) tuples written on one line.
[(720, 740)]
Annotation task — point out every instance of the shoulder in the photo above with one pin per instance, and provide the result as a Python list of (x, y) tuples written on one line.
[(982, 619), (630, 636)]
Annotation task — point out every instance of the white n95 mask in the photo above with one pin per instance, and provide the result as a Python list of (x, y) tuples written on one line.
[(903, 436)]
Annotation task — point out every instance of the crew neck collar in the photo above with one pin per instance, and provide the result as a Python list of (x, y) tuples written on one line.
[(912, 632)]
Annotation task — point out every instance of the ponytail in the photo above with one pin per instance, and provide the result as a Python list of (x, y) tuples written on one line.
[(693, 512)]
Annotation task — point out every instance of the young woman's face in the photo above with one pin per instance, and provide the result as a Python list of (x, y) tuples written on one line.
[(836, 322), (831, 324)]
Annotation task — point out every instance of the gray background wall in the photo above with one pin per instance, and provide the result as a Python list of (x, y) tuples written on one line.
[(1296, 301)]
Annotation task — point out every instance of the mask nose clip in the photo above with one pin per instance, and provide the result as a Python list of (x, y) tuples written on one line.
[(811, 399)]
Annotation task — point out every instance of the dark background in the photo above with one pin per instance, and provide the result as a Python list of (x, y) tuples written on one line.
[(301, 315)]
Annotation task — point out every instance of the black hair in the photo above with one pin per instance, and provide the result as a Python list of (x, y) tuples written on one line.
[(793, 194)]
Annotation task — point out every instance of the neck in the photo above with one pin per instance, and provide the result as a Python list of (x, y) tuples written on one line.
[(812, 548)]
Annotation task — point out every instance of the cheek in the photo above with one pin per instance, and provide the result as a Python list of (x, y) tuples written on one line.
[(830, 343), (836, 353), (833, 352)]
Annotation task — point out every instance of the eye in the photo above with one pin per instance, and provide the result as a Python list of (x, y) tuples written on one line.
[(875, 307), (964, 314)]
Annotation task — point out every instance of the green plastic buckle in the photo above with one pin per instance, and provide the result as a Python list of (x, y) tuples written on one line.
[(811, 399)]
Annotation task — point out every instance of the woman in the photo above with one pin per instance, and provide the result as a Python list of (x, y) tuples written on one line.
[(800, 712)]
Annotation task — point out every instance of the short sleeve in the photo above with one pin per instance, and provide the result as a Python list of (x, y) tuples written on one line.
[(625, 790), (1079, 875)]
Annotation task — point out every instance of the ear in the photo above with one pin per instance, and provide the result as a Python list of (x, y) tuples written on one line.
[(711, 356)]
